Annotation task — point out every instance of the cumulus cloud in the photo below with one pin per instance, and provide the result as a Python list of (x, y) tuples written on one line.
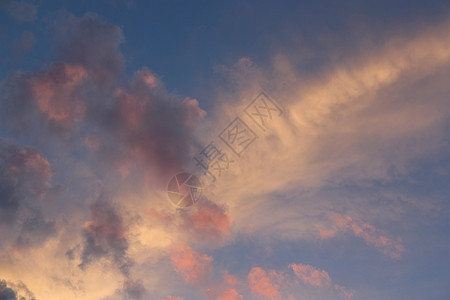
[(207, 221), (262, 285), (15, 291), (6, 293), (93, 43), (24, 187), (134, 123), (105, 236), (54, 92), (230, 294), (207, 224), (190, 264)]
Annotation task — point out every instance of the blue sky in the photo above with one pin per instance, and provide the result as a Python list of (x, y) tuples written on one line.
[(339, 189)]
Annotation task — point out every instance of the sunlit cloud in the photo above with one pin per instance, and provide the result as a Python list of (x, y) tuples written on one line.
[(92, 138)]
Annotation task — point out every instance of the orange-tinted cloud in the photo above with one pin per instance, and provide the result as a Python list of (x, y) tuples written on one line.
[(193, 266), (310, 275), (262, 285), (173, 298)]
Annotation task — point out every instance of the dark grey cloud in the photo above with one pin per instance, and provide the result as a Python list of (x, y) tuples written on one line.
[(6, 293), (133, 290), (15, 291), (24, 182), (105, 237), (35, 230), (93, 43), (24, 178)]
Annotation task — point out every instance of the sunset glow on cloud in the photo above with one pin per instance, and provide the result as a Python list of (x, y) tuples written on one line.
[(228, 151)]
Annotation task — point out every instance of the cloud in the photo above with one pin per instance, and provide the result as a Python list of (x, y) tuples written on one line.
[(93, 43), (105, 236), (193, 266), (230, 294), (312, 276), (372, 236), (133, 290), (206, 224), (35, 230), (226, 290), (23, 10), (17, 291), (111, 126), (282, 284), (262, 285), (364, 122), (207, 221), (137, 127), (344, 292), (315, 277), (55, 93), (136, 124), (6, 293), (24, 187), (25, 44)]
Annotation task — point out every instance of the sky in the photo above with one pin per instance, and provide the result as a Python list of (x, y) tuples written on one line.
[(186, 150)]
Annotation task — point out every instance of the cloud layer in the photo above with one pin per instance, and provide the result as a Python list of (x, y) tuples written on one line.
[(83, 183)]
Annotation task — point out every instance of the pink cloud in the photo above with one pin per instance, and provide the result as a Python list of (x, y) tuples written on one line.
[(229, 279), (209, 221), (371, 235), (311, 275), (55, 92), (262, 285), (344, 292), (230, 294), (193, 266), (173, 298)]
